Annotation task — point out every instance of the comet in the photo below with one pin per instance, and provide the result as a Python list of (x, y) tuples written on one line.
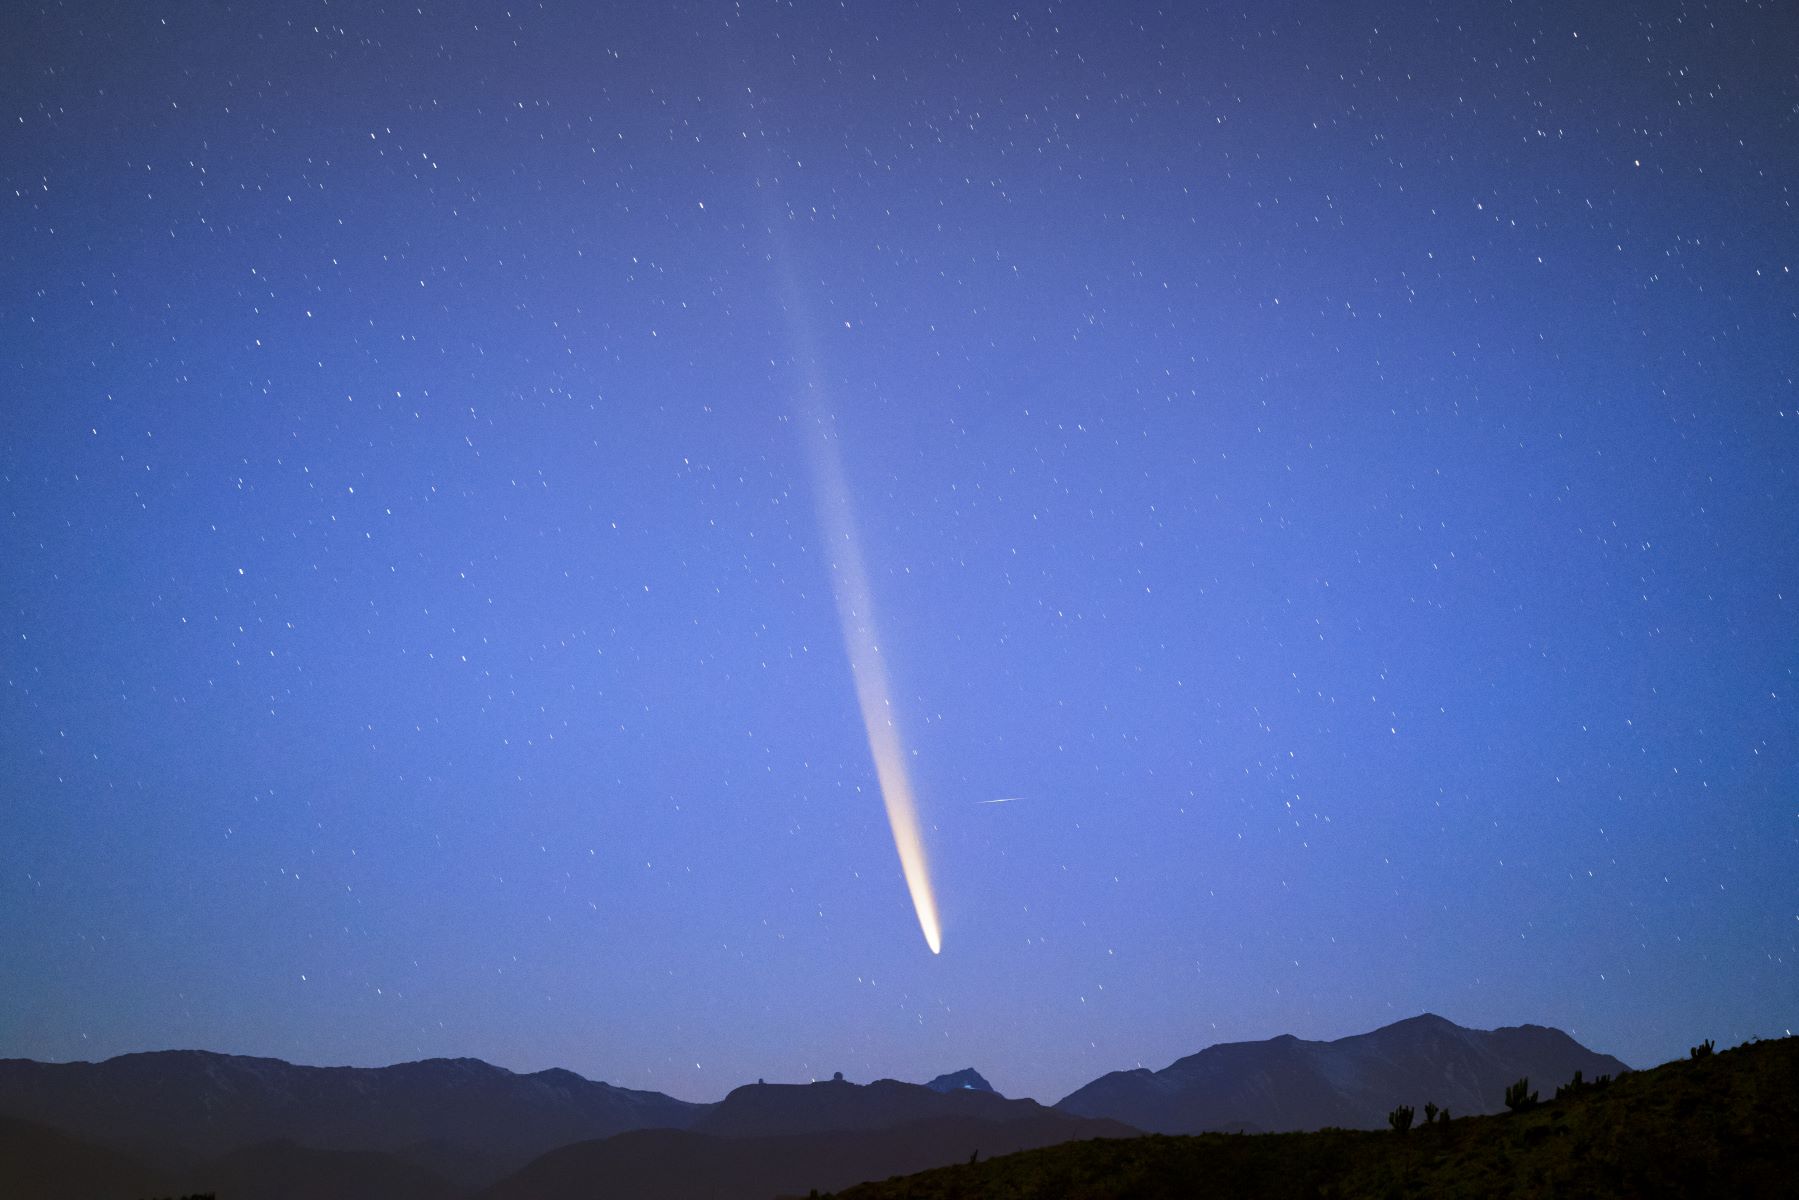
[(874, 690), (855, 600)]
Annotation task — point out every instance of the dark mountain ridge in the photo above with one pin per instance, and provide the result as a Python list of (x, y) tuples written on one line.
[(773, 1109), (761, 1140), (193, 1121), (967, 1079), (178, 1106), (1286, 1083)]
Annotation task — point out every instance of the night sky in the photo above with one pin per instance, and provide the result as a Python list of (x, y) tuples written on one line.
[(1331, 469)]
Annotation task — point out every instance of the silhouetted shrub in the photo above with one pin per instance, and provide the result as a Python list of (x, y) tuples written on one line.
[(1400, 1118), (1519, 1097), (1430, 1112), (1702, 1050)]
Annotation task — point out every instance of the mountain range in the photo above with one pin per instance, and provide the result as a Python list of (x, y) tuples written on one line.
[(445, 1129), (1286, 1084), (462, 1118)]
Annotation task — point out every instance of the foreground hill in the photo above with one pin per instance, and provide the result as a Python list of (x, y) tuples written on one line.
[(1288, 1084), (461, 1118), (47, 1164), (683, 1165), (44, 1164), (766, 1139), (1715, 1126)]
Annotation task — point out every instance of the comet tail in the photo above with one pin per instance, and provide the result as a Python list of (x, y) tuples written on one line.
[(855, 612)]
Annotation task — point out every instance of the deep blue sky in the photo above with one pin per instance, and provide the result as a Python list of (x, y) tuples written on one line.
[(1334, 466)]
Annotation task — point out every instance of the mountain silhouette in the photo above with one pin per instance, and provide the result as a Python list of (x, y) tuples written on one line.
[(175, 1122), (773, 1109), (463, 1118), (1286, 1084), (967, 1079)]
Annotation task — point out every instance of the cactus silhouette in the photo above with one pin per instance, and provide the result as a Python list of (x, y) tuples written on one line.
[(1400, 1118), (1519, 1097)]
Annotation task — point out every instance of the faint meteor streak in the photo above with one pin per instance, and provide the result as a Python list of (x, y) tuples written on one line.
[(855, 610)]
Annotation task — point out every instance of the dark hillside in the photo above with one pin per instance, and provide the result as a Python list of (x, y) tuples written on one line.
[(1720, 1125), (48, 1164), (671, 1164)]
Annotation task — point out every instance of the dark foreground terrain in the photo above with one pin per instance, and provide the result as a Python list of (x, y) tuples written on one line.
[(185, 1122), (181, 1121), (1724, 1124)]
